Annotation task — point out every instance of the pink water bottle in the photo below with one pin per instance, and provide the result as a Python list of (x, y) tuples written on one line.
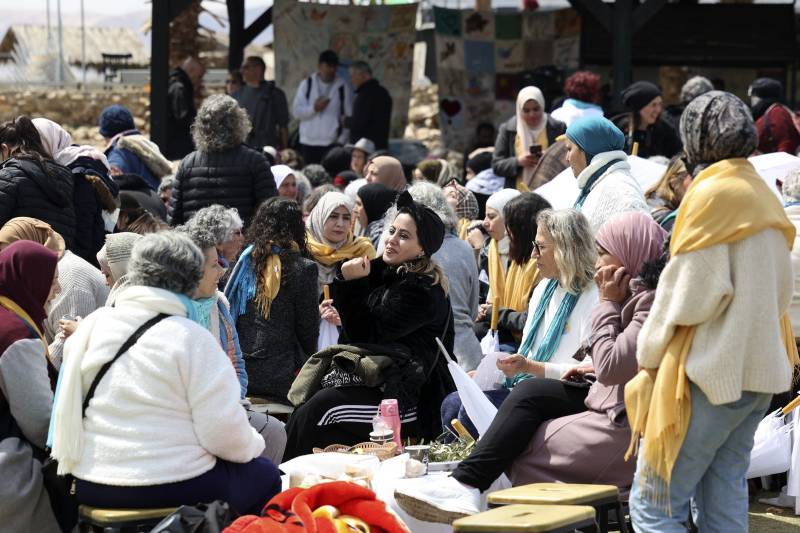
[(390, 413)]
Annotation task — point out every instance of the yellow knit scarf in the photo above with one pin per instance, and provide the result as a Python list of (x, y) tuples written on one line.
[(520, 150), (12, 306), (463, 228), (497, 277), (328, 255), (520, 281), (512, 289), (726, 203)]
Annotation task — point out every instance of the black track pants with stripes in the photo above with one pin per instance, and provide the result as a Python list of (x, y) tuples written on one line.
[(341, 415)]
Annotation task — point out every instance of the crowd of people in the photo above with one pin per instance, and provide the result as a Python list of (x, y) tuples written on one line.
[(149, 293)]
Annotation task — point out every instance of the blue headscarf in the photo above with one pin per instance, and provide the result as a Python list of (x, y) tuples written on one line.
[(595, 135)]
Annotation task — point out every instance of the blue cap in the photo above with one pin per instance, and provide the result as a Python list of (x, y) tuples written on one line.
[(115, 119)]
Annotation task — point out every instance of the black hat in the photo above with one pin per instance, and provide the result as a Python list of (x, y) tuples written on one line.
[(766, 88), (430, 228), (639, 94), (329, 57)]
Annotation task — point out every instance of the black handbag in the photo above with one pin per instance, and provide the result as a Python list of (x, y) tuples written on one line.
[(61, 489)]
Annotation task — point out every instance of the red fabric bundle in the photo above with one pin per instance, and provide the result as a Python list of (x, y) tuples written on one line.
[(291, 511)]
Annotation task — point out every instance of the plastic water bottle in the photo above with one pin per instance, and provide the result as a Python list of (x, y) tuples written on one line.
[(390, 413)]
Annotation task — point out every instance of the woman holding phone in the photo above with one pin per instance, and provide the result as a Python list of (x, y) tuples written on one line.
[(522, 139)]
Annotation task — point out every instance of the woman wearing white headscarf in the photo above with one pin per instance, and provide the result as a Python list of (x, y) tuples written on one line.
[(95, 193), (330, 242), (515, 151), (285, 181)]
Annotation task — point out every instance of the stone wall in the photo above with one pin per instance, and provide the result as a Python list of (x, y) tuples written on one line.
[(76, 110)]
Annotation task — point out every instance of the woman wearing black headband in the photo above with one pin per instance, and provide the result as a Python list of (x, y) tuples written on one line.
[(643, 123), (394, 306)]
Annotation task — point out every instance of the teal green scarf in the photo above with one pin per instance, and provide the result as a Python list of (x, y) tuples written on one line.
[(555, 330)]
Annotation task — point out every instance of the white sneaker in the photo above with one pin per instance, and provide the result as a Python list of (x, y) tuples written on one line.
[(437, 499)]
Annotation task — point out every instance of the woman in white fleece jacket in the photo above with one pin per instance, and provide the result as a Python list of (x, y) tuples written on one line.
[(164, 427)]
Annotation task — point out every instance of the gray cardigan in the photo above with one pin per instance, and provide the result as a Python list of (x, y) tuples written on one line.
[(275, 348), (457, 259)]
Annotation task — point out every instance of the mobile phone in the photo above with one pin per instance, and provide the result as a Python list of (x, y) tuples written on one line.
[(536, 150)]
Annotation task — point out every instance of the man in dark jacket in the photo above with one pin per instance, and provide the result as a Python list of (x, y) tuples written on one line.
[(372, 108), (266, 106), (38, 188), (183, 81)]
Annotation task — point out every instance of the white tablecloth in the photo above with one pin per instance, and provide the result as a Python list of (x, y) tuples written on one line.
[(387, 476)]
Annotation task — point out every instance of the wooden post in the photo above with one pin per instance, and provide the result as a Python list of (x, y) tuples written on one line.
[(159, 72), (236, 42)]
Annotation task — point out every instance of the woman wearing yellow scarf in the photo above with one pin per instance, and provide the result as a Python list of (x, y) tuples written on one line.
[(330, 242), (718, 342), (511, 287)]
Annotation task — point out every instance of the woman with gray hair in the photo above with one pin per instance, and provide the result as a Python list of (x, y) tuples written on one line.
[(223, 170), (559, 312), (226, 225), (214, 314), (162, 425), (458, 263)]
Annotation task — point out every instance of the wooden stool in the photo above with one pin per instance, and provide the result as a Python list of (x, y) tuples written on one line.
[(264, 405), (92, 519), (528, 519), (601, 497)]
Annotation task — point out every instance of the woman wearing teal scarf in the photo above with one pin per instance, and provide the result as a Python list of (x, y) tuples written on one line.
[(559, 312), (210, 309)]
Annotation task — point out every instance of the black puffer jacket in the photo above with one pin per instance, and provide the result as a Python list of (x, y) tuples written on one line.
[(239, 177), (407, 312), (43, 190)]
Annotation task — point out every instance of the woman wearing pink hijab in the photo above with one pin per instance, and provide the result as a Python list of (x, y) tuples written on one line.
[(573, 429), (387, 171)]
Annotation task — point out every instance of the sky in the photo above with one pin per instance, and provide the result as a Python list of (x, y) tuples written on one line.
[(115, 7)]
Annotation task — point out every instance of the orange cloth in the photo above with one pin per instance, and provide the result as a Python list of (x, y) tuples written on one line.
[(291, 511)]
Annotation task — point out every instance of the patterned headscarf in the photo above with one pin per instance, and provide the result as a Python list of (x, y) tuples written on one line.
[(467, 204), (717, 126)]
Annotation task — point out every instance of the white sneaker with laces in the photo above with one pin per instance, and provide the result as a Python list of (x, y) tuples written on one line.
[(437, 499)]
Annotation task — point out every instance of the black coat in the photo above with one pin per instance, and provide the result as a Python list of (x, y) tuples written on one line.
[(42, 190), (180, 115), (239, 177), (658, 139), (406, 312), (93, 191), (275, 348), (372, 114), (504, 159)]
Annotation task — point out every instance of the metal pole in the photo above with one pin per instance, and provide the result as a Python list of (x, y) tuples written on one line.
[(60, 75), (83, 47), (622, 47), (159, 71)]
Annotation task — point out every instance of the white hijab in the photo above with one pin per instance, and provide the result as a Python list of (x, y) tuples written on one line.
[(281, 172), (58, 144), (329, 202), (527, 136)]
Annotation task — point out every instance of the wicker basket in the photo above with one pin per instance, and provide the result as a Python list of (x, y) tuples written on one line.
[(381, 451)]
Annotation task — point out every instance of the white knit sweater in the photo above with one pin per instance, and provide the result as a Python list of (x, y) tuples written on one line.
[(735, 294), (166, 409), (615, 192)]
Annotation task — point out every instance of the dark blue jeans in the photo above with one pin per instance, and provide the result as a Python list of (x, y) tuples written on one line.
[(247, 487), (453, 408)]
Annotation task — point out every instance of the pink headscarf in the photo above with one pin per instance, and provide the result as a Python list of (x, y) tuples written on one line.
[(634, 237)]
